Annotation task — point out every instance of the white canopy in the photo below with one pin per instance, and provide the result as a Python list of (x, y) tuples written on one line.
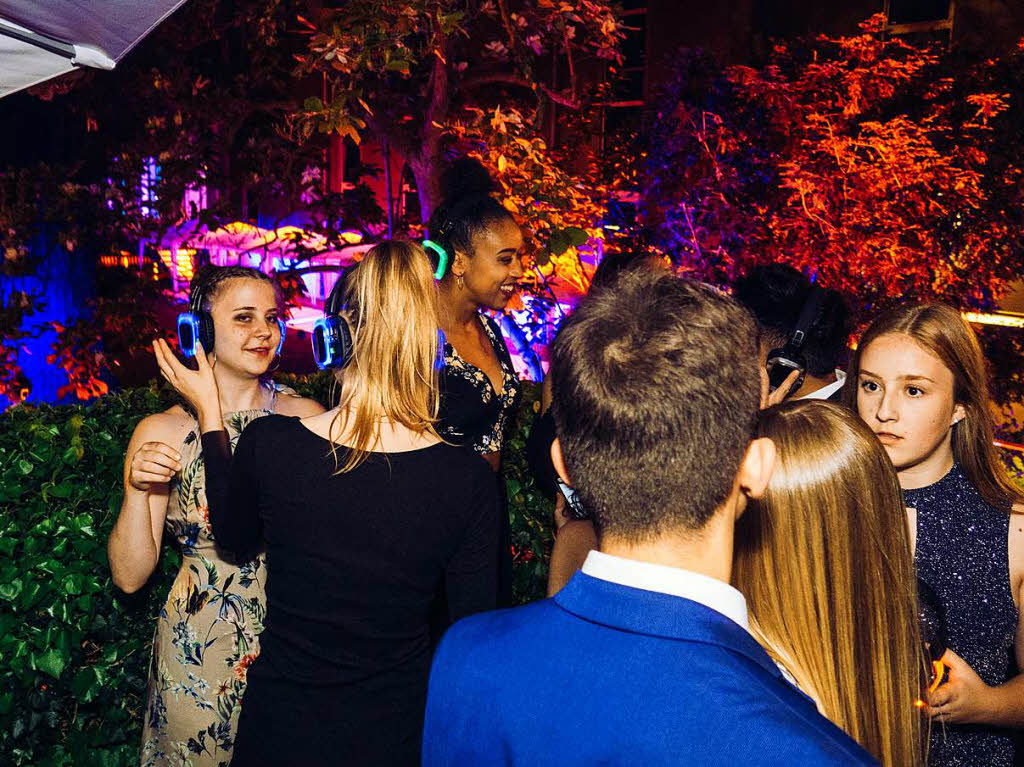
[(40, 39)]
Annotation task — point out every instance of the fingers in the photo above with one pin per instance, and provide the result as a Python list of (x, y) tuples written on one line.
[(156, 458), (780, 394), (952, 660), (788, 384), (160, 453), (204, 363), (940, 697), (166, 360), (147, 477), (162, 447)]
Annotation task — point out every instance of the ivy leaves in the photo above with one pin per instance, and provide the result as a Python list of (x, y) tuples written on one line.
[(74, 652)]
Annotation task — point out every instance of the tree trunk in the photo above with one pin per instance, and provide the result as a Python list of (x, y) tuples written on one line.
[(425, 160), (427, 175)]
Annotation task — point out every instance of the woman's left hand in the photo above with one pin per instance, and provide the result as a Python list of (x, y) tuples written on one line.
[(199, 387), (962, 699)]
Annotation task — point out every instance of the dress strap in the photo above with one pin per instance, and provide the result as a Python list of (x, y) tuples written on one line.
[(497, 339)]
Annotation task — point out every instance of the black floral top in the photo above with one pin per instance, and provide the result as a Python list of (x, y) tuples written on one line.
[(471, 412)]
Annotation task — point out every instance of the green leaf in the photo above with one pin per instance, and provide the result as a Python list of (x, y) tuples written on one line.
[(63, 490), (577, 236), (73, 454), (30, 595), (10, 591), (51, 662), (559, 242), (87, 684), (397, 65), (83, 524), (73, 583), (24, 466)]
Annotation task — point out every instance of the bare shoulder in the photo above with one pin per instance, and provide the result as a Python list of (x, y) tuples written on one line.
[(293, 404), (1016, 546), (169, 426)]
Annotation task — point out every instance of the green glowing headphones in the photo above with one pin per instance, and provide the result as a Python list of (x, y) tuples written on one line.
[(442, 257)]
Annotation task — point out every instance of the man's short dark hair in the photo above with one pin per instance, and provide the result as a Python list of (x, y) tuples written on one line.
[(656, 389), (775, 294)]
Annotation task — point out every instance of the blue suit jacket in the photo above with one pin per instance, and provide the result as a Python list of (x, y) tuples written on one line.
[(607, 674)]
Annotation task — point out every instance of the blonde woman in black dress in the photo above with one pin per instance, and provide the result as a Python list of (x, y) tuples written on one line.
[(364, 512)]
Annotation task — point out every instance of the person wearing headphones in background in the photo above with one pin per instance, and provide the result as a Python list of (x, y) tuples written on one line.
[(208, 631), (366, 514), (475, 246), (804, 329)]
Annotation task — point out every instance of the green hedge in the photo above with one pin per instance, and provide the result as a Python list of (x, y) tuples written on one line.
[(74, 651)]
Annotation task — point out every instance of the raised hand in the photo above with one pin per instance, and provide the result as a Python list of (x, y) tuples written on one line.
[(154, 463), (199, 387)]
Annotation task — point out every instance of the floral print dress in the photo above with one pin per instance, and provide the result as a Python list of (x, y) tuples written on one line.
[(472, 413), (207, 632)]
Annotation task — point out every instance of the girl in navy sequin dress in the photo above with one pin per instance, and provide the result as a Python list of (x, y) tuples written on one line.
[(918, 380)]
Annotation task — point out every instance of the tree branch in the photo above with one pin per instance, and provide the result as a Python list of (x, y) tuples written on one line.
[(508, 79)]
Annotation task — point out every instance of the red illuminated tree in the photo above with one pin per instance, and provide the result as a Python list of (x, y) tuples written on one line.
[(890, 170)]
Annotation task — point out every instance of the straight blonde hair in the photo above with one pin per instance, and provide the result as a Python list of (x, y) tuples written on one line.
[(942, 332), (825, 563), (391, 306)]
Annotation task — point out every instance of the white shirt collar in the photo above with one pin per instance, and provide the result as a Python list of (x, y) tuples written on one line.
[(827, 391), (710, 592)]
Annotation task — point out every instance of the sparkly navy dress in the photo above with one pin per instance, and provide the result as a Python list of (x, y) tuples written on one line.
[(962, 555)]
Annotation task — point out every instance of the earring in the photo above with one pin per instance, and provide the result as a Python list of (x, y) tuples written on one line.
[(461, 282)]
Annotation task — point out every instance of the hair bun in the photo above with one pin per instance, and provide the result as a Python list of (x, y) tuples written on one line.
[(466, 178)]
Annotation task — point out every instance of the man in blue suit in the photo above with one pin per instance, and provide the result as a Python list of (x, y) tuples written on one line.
[(644, 657)]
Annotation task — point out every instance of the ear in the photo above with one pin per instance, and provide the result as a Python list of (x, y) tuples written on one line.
[(757, 467), (458, 266), (959, 414), (559, 461)]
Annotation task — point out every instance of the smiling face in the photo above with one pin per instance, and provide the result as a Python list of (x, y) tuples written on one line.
[(495, 269), (246, 333), (905, 395)]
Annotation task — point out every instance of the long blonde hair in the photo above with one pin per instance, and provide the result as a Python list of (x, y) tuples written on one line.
[(941, 331), (391, 306), (825, 563)]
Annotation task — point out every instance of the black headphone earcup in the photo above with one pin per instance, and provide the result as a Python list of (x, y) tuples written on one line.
[(332, 342), (206, 330)]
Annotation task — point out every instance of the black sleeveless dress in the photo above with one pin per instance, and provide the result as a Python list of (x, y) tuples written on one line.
[(472, 414), (962, 554)]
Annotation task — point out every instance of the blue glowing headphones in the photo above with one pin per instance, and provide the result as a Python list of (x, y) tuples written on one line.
[(332, 335), (197, 325)]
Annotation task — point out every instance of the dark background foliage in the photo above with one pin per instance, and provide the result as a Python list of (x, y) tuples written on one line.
[(74, 651)]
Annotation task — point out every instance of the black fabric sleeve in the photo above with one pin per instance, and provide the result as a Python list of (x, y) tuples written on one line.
[(232, 492), (471, 578)]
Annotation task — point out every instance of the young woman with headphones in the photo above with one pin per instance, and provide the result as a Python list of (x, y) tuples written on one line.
[(208, 631), (475, 246), (366, 514)]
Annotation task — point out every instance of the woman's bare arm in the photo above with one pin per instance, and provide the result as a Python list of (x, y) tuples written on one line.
[(133, 548)]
